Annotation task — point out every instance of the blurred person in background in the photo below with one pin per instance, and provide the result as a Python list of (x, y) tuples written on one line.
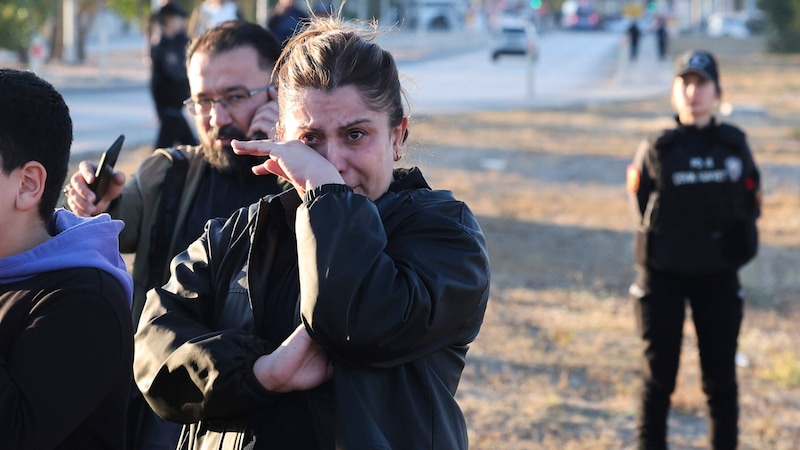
[(210, 13), (168, 81), (661, 37), (695, 194), (633, 40), (285, 20)]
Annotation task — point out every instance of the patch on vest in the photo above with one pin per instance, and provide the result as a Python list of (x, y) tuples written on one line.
[(734, 167), (705, 172)]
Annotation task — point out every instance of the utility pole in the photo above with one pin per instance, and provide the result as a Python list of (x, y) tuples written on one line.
[(70, 37), (262, 12)]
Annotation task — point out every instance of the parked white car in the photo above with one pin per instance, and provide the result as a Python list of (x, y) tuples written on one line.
[(517, 37), (727, 25), (438, 14)]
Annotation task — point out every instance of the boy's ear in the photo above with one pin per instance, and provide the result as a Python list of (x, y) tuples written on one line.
[(32, 177)]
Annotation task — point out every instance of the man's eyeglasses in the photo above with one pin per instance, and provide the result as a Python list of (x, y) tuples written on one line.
[(230, 101)]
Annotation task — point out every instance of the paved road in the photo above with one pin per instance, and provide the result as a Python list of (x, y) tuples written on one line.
[(99, 116), (448, 74), (567, 63)]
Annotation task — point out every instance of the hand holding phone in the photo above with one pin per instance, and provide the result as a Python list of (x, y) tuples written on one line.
[(105, 170)]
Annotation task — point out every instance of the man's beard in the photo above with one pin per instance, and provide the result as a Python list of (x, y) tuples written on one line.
[(222, 157)]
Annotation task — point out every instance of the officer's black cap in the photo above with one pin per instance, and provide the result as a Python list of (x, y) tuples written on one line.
[(171, 9), (700, 62)]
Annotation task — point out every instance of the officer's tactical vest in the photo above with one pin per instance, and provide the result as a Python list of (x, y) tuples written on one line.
[(701, 216)]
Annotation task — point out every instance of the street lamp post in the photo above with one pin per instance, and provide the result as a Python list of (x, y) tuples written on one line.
[(262, 12), (70, 37)]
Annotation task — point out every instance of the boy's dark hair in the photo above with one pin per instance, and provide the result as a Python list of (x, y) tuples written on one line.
[(35, 126), (234, 34)]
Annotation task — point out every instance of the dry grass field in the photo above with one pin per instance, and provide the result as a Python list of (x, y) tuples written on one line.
[(555, 365)]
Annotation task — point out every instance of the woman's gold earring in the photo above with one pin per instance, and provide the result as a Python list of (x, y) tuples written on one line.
[(397, 156)]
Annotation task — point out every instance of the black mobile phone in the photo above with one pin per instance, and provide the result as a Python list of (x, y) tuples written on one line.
[(105, 170)]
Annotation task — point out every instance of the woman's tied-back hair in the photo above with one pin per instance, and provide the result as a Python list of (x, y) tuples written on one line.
[(328, 54)]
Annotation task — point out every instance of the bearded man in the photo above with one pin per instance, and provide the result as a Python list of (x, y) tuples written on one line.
[(167, 202)]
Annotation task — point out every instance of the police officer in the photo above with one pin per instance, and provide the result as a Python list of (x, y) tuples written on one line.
[(169, 83), (695, 194)]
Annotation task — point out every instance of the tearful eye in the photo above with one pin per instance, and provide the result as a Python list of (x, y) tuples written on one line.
[(355, 135), (309, 139)]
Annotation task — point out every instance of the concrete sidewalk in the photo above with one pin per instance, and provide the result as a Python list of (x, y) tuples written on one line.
[(126, 61), (123, 62), (646, 77)]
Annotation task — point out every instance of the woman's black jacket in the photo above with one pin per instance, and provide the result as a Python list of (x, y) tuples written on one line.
[(394, 290)]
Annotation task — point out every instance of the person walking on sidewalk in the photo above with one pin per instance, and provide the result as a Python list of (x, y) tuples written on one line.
[(695, 194), (66, 340), (633, 40), (661, 37), (168, 81), (166, 203)]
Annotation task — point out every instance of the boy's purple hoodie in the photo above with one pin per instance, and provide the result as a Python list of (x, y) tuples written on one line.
[(79, 242)]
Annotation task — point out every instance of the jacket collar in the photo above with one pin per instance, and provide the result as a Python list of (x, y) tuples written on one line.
[(408, 178)]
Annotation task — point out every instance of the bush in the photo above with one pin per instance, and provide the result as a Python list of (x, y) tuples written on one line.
[(19, 22), (783, 30)]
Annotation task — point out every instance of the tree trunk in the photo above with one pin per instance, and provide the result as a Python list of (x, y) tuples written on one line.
[(22, 56), (85, 20), (57, 37)]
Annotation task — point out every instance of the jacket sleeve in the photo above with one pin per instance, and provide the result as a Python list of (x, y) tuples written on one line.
[(752, 180), (187, 369), (380, 294), (63, 364), (736, 138), (640, 183)]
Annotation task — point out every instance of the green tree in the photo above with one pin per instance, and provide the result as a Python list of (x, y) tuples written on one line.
[(20, 20), (130, 9), (85, 15), (783, 29)]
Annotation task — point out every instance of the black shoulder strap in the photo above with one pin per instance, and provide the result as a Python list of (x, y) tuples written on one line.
[(166, 218), (733, 138), (730, 134)]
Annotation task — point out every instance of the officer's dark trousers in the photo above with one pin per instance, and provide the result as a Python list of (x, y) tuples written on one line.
[(717, 309)]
